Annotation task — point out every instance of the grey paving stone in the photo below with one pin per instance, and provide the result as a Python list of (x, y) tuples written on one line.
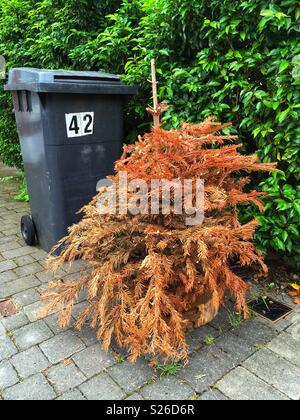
[(294, 329), (10, 219), (284, 323), (83, 296), (17, 252), (135, 397), (42, 289), (7, 276), (39, 255), (287, 347), (78, 308), (2, 330), (195, 339), (206, 367), (93, 360), (240, 384), (8, 376), (26, 298), (65, 377), (238, 349), (31, 335), (11, 228), (11, 231), (131, 377), (276, 371), (256, 332), (26, 259), (29, 269), (43, 263), (34, 311), (52, 322), (17, 286), (87, 335), (221, 321), (62, 347), (118, 351), (30, 362), (75, 267), (35, 388), (102, 387), (7, 348), (73, 395), (72, 277), (8, 239), (169, 388), (16, 321), (9, 246), (7, 265), (213, 395), (45, 276), (9, 204)]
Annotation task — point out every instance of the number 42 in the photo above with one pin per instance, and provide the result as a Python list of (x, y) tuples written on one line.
[(80, 124)]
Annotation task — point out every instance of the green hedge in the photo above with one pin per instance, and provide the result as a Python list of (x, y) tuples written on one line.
[(44, 34), (238, 60)]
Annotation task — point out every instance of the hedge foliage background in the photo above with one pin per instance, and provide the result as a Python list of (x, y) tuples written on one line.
[(238, 60), (44, 34)]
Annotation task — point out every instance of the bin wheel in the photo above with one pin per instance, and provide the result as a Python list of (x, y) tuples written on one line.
[(28, 230)]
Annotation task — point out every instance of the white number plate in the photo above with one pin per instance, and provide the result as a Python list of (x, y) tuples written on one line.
[(80, 124)]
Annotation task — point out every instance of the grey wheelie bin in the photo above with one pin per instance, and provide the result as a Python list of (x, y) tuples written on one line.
[(70, 126)]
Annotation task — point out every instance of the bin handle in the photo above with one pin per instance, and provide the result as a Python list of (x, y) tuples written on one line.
[(24, 95), (28, 101), (20, 101)]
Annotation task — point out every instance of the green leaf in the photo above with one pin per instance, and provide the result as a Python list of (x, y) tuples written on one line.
[(256, 132), (283, 66), (243, 35), (260, 93), (275, 105), (278, 244), (267, 12), (293, 229), (284, 236), (297, 207), (268, 104), (280, 15), (282, 116)]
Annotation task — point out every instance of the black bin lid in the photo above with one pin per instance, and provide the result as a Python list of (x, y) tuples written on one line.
[(66, 81)]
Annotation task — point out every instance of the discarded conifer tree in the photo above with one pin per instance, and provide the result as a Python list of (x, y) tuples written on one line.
[(147, 276)]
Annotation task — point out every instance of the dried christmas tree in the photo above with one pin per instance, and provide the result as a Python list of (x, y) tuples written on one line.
[(148, 276)]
